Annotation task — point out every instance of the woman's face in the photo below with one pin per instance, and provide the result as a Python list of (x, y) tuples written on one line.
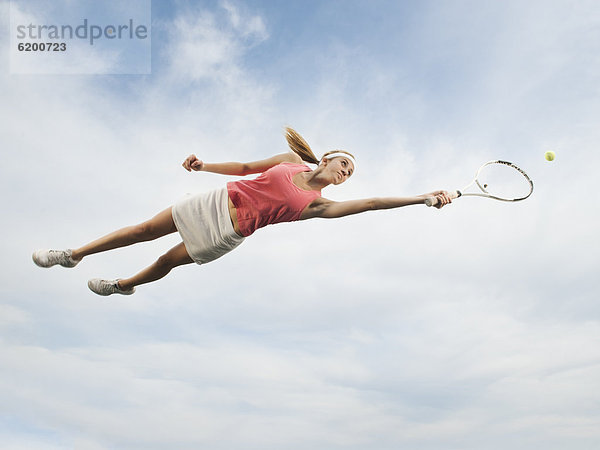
[(339, 169)]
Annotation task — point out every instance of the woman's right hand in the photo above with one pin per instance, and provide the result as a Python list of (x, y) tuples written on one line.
[(193, 163), (443, 198)]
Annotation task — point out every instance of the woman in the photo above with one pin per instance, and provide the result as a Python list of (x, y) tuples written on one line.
[(214, 223)]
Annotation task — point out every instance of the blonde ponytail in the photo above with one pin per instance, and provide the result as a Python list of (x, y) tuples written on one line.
[(299, 146)]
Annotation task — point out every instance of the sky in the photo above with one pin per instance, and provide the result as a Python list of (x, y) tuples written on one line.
[(473, 327)]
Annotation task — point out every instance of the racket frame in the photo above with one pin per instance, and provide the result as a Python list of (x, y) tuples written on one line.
[(432, 201)]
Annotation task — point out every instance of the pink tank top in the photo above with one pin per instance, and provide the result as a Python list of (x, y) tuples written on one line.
[(272, 197)]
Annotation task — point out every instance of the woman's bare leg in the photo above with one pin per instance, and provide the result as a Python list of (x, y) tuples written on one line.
[(177, 256), (160, 225)]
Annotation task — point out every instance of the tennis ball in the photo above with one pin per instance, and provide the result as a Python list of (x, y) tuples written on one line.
[(550, 155)]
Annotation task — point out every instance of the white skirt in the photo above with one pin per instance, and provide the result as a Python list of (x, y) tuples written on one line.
[(204, 223)]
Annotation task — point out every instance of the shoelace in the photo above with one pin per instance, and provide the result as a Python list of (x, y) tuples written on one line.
[(55, 254)]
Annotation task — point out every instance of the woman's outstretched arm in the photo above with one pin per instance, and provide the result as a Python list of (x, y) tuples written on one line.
[(323, 207), (238, 168)]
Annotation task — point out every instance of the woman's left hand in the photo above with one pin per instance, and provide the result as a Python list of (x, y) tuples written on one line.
[(193, 163)]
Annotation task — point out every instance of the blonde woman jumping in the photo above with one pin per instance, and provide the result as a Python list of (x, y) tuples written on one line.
[(212, 224)]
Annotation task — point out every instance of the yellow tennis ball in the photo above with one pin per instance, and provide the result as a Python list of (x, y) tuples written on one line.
[(550, 155)]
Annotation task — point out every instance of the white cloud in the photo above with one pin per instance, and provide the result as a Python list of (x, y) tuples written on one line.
[(250, 27), (205, 45), (9, 315)]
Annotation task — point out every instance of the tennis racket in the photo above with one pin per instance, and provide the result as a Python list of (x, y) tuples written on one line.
[(499, 180)]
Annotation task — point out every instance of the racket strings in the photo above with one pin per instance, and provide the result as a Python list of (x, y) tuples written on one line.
[(504, 181)]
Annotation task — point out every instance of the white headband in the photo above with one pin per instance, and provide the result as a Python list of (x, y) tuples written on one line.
[(336, 154)]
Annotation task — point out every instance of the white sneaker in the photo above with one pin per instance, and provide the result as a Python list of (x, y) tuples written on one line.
[(49, 258), (108, 287)]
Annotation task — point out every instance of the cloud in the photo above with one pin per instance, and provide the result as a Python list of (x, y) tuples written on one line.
[(207, 45), (251, 27)]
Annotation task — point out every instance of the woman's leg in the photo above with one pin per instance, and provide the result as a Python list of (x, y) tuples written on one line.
[(160, 225), (177, 256)]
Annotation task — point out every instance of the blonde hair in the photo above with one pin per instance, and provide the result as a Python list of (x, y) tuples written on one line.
[(300, 147)]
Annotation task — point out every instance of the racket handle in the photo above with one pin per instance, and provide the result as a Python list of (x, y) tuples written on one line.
[(432, 201)]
